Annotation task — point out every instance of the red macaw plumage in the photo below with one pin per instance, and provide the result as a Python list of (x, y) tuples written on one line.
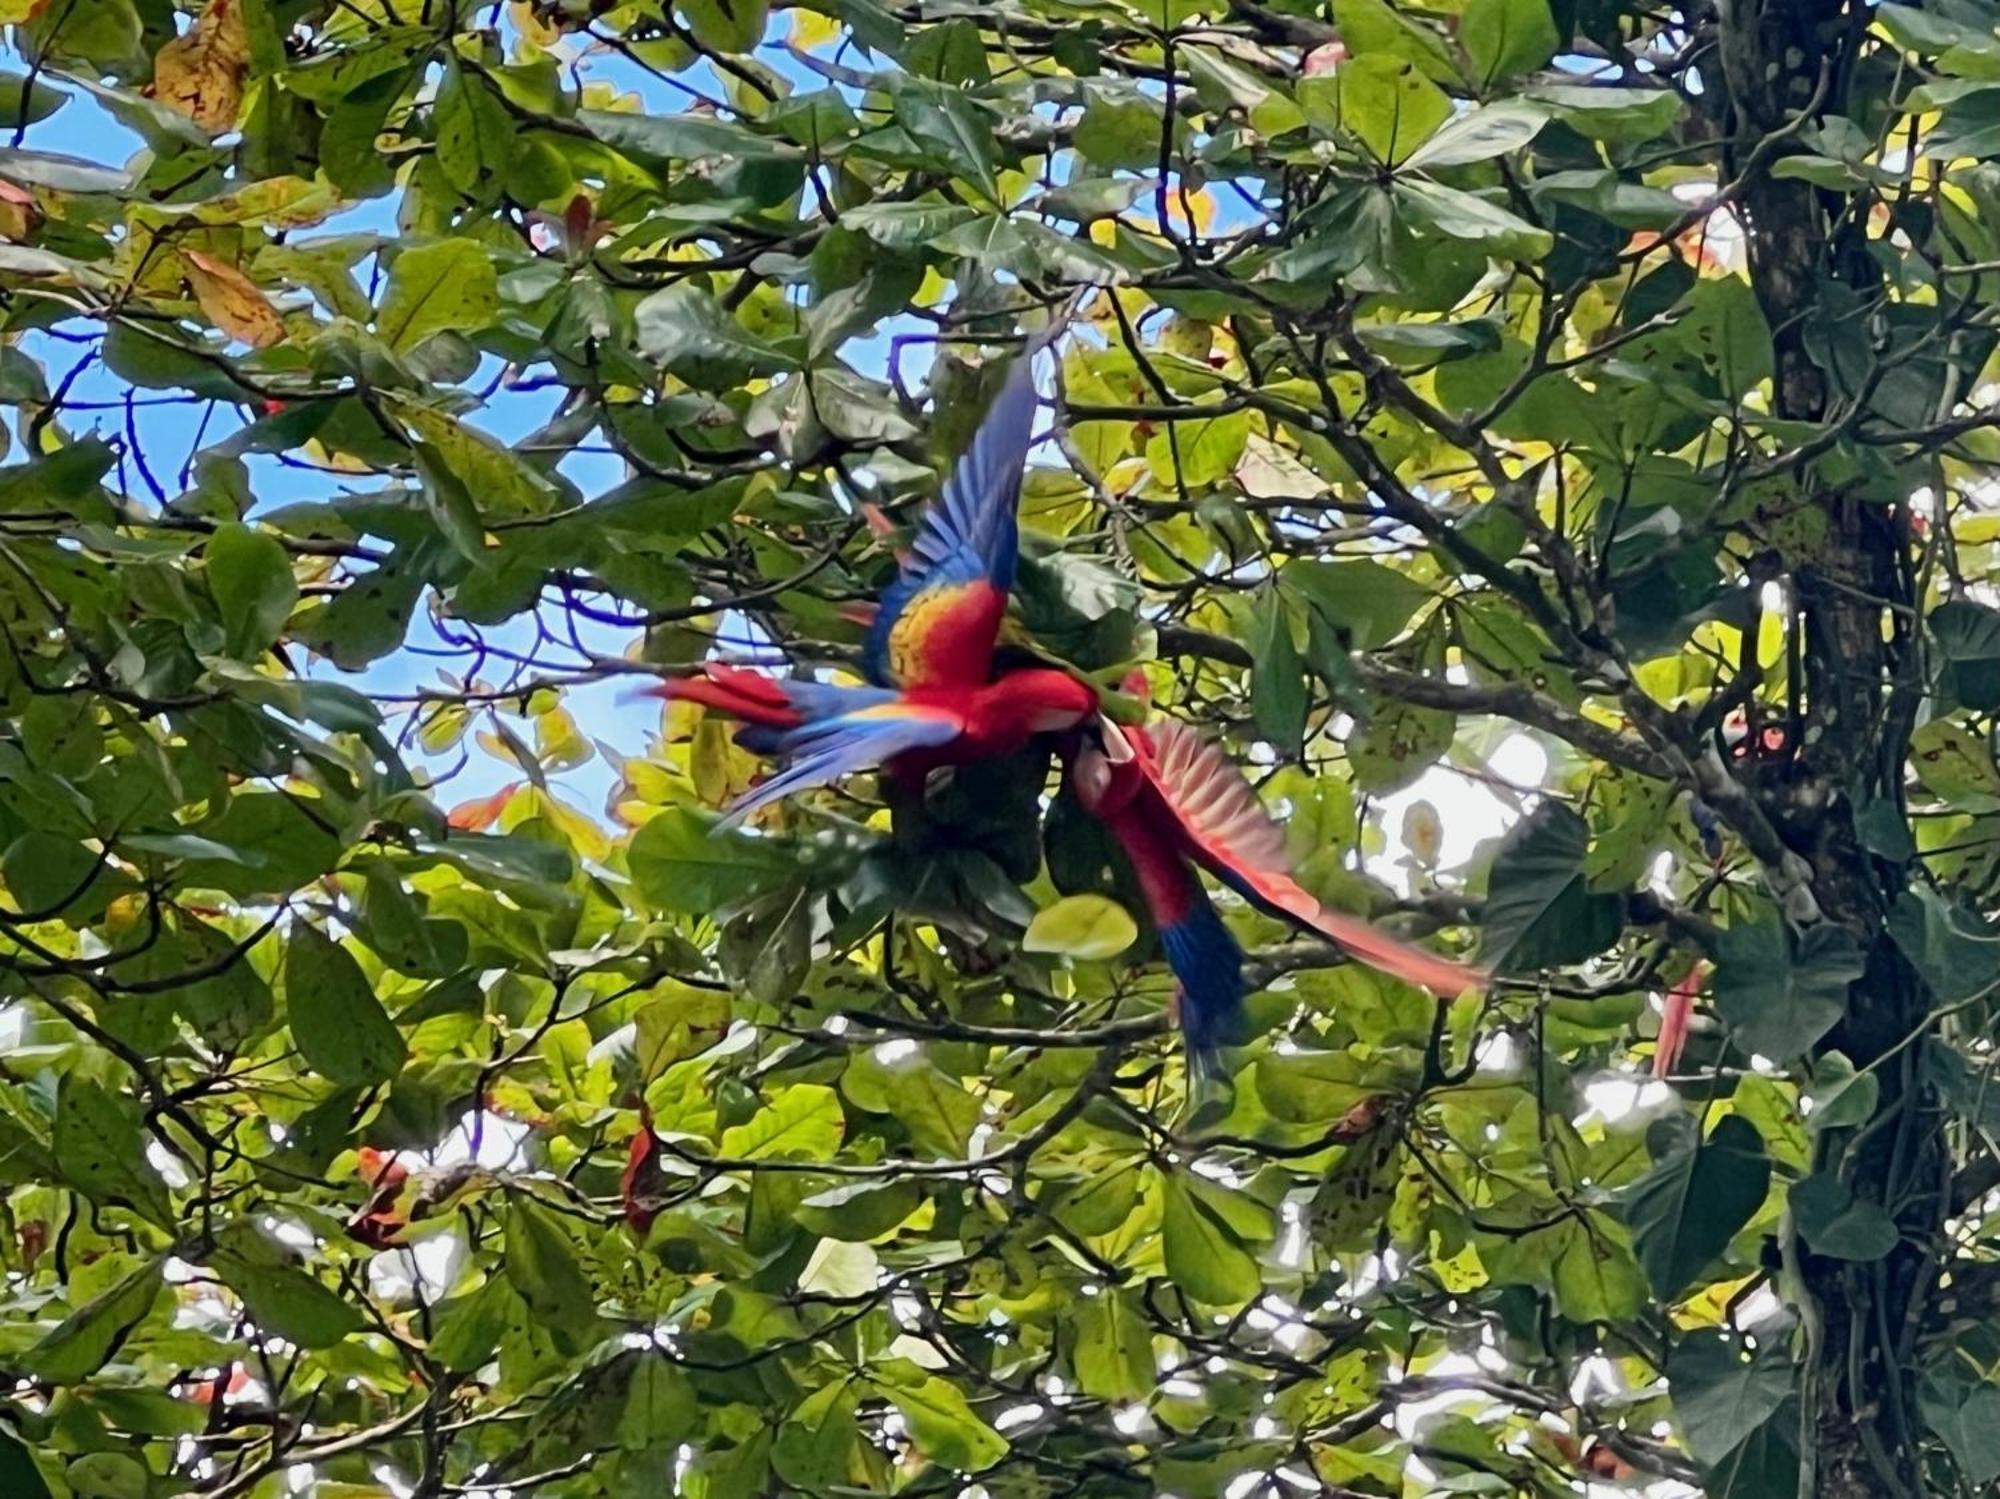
[(1174, 800), (938, 621), (929, 647), (1206, 960), (826, 732), (1675, 1016)]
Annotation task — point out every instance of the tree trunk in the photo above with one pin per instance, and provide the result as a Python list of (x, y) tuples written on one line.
[(1781, 57)]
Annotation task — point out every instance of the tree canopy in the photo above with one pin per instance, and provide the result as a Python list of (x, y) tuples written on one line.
[(1547, 441)]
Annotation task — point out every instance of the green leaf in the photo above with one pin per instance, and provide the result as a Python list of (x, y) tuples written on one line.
[(858, 1211), (1723, 1390), (337, 1023), (250, 575), (688, 332), (1505, 37), (85, 1340), (1376, 26), (1385, 103), (1089, 928), (941, 1424), (99, 1144), (1593, 1273), (542, 1265), (1841, 1097), (1278, 699), (948, 127), (1955, 764), (279, 1297), (468, 1328), (1965, 1413), (1837, 1223), (683, 137), (19, 1474), (725, 25), (804, 1122), (1306, 1087), (680, 863), (1200, 452), (660, 1407), (1952, 948), (1203, 1243), (1617, 116), (449, 284), (476, 138), (1779, 995), (1429, 207), (1539, 908), (1119, 130), (1481, 134), (1113, 1357), (1685, 1210), (1369, 602), (108, 1475), (1968, 638)]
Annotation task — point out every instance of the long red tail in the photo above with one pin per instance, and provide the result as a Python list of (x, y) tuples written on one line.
[(1674, 1018), (741, 694), (1411, 964)]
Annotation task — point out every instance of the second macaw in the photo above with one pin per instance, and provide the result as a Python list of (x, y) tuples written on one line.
[(1174, 801), (929, 647)]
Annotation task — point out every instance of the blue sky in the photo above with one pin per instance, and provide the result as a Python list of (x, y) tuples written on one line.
[(169, 434)]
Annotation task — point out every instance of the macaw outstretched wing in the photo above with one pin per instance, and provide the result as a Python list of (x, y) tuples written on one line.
[(1232, 836), (825, 749), (767, 702), (939, 619)]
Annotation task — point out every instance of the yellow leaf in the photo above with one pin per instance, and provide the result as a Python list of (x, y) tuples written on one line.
[(231, 301), (558, 742), (534, 30), (200, 73), (1088, 927), (810, 29)]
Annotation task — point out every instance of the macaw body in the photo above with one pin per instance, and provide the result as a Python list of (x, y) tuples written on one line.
[(1173, 801), (825, 732), (929, 647)]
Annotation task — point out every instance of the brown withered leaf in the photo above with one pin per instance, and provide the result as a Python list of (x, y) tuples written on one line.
[(200, 72), (232, 301)]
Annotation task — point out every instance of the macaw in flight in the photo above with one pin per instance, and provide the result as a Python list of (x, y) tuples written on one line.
[(929, 649), (1174, 801)]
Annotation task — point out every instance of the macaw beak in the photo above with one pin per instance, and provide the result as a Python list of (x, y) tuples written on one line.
[(1096, 768), (1091, 774)]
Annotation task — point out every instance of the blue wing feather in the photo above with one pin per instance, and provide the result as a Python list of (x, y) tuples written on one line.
[(829, 748), (972, 534), (1208, 962)]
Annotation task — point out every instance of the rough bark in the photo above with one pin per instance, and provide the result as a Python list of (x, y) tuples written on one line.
[(1779, 57)]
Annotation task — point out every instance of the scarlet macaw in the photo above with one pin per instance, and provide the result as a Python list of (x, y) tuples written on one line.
[(1173, 800), (929, 648), (1675, 1016)]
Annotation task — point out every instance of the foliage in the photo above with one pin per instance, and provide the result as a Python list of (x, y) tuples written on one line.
[(1562, 384)]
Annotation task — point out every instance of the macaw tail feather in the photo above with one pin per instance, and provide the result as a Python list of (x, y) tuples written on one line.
[(746, 695), (1403, 960), (1208, 964), (1674, 1018), (1233, 835)]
